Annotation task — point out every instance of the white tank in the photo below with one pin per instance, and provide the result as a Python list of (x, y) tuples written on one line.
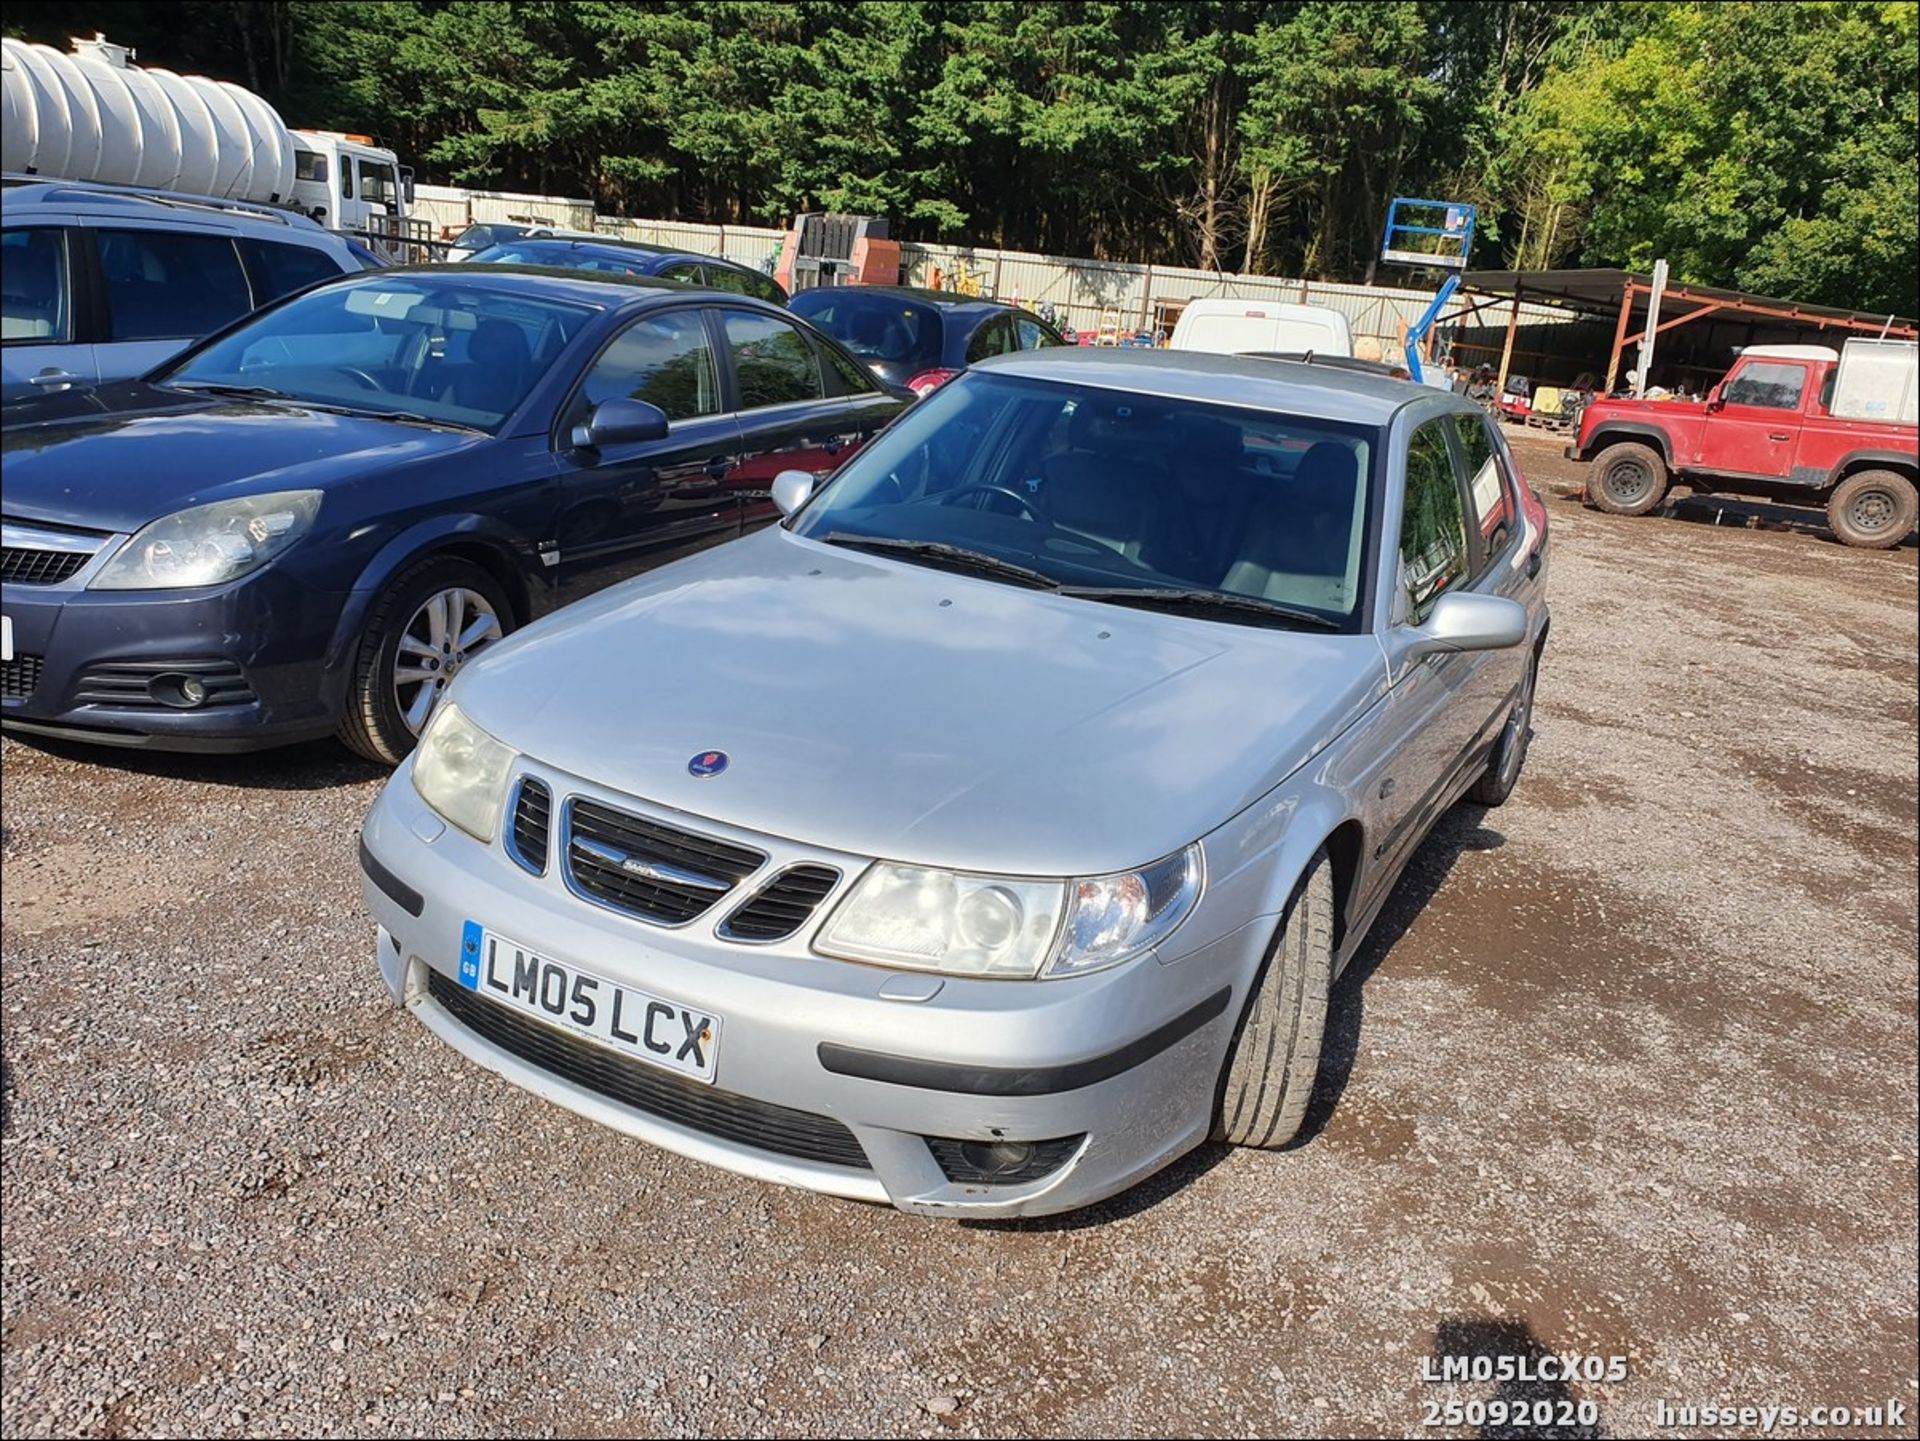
[(91, 116)]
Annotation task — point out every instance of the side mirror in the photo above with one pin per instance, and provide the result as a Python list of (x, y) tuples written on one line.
[(1715, 399), (1464, 621), (620, 421), (791, 489), (406, 184)]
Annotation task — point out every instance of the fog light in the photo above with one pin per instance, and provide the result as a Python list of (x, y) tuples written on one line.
[(179, 690), (997, 1158)]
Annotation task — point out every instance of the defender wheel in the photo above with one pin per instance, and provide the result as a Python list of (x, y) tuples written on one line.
[(1510, 754), (1275, 1056), (1627, 479), (1874, 509), (430, 620)]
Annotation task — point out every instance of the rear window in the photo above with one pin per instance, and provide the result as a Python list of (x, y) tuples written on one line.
[(165, 285), (884, 328), (282, 269)]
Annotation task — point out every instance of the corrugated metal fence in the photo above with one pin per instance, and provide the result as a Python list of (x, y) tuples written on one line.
[(1083, 293)]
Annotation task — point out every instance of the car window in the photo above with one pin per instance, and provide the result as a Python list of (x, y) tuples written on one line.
[(1114, 489), (877, 327), (168, 285), (664, 360), (772, 361), (853, 378), (724, 277), (996, 337), (282, 269), (767, 288), (346, 177), (35, 274), (687, 272), (394, 341), (1033, 335), (378, 182), (1488, 484), (1433, 533), (309, 165), (1775, 385)]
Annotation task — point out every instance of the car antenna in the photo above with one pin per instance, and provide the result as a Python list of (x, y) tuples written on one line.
[(1308, 358)]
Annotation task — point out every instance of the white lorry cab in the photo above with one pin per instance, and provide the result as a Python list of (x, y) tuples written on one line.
[(1245, 327), (346, 182)]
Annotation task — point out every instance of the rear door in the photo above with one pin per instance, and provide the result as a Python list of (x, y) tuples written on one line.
[(624, 508), (1754, 431), (162, 290), (44, 329), (792, 404)]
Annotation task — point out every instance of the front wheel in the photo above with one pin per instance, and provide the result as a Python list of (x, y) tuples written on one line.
[(1627, 479), (1874, 509), (1275, 1056), (432, 618)]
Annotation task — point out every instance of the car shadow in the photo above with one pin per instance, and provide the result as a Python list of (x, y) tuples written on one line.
[(1744, 514), (1521, 1400), (309, 766), (1461, 830)]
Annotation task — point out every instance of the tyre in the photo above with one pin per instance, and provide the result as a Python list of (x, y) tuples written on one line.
[(430, 620), (1268, 1078), (1627, 479), (1874, 509), (1510, 753)]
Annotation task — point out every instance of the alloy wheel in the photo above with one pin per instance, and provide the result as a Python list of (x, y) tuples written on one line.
[(450, 626)]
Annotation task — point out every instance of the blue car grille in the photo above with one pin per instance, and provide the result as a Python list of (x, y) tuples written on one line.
[(647, 869), (19, 676), (22, 566), (692, 1104)]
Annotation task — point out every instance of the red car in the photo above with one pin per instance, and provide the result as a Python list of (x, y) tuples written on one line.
[(1791, 423)]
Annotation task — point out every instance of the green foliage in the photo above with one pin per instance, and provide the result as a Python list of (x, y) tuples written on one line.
[(1769, 147)]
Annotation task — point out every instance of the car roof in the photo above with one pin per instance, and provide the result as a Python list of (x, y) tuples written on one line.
[(614, 249), (587, 287), (945, 299), (1246, 381), (83, 196)]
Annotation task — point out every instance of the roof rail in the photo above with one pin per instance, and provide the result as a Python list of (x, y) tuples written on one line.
[(146, 195)]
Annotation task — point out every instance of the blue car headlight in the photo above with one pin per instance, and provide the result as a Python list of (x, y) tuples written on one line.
[(210, 544)]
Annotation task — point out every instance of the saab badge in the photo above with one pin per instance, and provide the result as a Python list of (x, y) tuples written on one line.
[(707, 763)]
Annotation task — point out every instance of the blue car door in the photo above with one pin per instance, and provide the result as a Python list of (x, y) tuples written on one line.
[(624, 508)]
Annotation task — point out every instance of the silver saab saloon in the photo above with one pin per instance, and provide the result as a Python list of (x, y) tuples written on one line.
[(988, 833)]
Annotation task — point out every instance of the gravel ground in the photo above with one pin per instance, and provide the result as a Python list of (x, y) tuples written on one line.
[(1628, 1067)]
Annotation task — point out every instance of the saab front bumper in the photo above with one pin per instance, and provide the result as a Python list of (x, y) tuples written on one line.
[(860, 1081)]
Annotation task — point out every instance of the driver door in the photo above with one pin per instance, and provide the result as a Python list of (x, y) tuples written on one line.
[(625, 508)]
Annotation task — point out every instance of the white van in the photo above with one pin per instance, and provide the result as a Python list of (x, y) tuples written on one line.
[(1242, 327)]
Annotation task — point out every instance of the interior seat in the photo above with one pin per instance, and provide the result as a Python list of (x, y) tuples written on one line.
[(1297, 544), (496, 372), (1107, 485)]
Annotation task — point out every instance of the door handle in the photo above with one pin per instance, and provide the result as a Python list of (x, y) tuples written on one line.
[(832, 444), (718, 467), (50, 377), (1533, 565), (1779, 435)]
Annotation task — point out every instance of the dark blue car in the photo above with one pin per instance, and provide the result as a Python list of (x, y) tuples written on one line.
[(628, 257), (920, 338), (309, 521)]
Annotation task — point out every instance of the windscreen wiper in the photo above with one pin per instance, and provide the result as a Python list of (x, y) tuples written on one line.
[(245, 392), (949, 557), (1200, 602)]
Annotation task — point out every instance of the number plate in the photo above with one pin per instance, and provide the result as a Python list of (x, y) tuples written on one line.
[(649, 1028)]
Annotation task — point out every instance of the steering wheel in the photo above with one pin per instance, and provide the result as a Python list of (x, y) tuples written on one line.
[(360, 377), (1026, 506)]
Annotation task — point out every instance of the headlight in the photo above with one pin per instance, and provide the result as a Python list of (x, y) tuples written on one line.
[(1001, 926), (461, 772), (211, 544)]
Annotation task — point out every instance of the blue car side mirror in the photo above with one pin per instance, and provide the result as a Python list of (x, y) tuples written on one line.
[(620, 421)]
